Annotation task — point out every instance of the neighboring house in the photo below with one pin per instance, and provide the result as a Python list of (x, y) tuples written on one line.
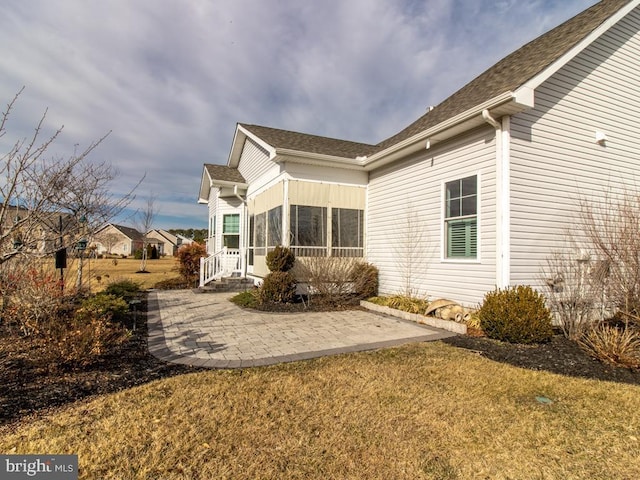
[(117, 240), (474, 194), (36, 231), (167, 243), (182, 240)]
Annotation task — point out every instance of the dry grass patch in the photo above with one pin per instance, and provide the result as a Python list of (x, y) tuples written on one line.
[(424, 411), (101, 272)]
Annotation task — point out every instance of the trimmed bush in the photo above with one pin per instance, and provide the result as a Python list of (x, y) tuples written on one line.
[(365, 280), (278, 287), (517, 315), (280, 259), (103, 306), (125, 289)]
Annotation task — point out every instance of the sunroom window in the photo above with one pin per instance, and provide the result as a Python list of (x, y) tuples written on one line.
[(274, 231), (461, 218), (308, 226), (347, 232)]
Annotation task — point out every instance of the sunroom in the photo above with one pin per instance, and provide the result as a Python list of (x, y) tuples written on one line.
[(314, 219)]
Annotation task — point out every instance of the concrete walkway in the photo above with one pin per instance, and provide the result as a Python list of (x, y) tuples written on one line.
[(207, 330)]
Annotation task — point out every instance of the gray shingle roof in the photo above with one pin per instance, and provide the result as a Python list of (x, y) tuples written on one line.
[(224, 173), (507, 75), (515, 69), (310, 143), (132, 233)]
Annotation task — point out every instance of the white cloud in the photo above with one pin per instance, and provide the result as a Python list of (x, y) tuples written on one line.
[(172, 78)]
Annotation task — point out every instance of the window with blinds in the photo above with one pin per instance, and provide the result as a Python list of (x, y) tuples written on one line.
[(461, 218)]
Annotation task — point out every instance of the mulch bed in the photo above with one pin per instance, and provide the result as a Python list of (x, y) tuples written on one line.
[(560, 355), (30, 388)]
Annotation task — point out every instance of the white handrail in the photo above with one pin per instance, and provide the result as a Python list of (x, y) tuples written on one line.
[(222, 263)]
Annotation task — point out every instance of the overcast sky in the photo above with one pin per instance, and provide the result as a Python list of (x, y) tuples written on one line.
[(171, 78)]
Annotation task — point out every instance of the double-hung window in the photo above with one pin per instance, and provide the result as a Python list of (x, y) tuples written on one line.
[(461, 218), (231, 230)]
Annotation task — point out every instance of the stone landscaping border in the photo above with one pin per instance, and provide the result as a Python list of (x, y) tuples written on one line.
[(448, 325)]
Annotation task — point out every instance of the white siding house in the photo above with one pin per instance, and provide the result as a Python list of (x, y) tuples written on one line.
[(474, 194), (406, 219)]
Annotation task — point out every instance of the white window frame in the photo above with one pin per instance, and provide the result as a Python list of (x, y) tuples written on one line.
[(443, 217)]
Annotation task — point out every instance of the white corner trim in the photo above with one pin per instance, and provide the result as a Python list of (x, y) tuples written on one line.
[(503, 204)]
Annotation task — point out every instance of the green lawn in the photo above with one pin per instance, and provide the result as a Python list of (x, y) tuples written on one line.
[(423, 411)]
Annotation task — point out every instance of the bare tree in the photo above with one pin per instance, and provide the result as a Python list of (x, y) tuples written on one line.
[(108, 240), (144, 222), (597, 274), (410, 250), (612, 228), (48, 203)]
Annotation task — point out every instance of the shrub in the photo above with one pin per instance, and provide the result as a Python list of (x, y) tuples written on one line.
[(280, 259), (125, 289), (80, 339), (189, 261), (365, 280), (330, 278), (613, 344), (407, 304), (278, 287), (31, 297), (103, 306), (517, 315), (247, 299)]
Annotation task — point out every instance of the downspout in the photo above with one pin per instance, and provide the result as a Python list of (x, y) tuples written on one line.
[(245, 230), (503, 197)]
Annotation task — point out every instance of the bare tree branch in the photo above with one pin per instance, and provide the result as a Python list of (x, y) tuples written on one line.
[(43, 200)]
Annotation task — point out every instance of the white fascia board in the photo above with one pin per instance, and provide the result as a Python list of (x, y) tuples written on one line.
[(236, 147), (543, 76), (307, 158), (204, 189), (418, 141)]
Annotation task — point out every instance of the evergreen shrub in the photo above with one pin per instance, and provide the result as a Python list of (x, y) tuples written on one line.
[(517, 315)]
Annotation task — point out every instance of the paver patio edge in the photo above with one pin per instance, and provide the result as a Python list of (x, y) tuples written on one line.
[(159, 347)]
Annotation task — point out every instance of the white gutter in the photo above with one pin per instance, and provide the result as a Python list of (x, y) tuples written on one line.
[(503, 197)]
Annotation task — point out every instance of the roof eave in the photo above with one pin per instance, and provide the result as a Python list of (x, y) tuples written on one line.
[(239, 138), (506, 103), (203, 196), (317, 159)]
